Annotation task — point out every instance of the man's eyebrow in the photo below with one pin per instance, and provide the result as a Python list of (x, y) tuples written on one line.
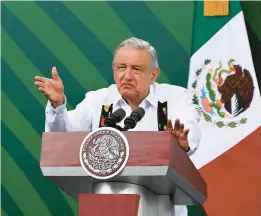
[(135, 65), (138, 65)]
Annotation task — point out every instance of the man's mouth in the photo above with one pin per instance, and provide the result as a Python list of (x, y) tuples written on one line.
[(127, 85)]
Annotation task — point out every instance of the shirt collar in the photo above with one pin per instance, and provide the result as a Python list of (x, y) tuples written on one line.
[(151, 98)]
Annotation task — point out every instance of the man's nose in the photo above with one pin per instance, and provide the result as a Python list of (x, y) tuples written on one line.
[(128, 73)]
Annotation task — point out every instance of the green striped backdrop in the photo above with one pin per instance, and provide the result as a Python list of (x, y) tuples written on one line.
[(252, 13), (78, 38)]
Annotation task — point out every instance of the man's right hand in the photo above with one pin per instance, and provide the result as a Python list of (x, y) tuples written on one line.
[(52, 89)]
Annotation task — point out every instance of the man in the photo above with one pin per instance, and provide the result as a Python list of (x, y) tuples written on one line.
[(135, 68)]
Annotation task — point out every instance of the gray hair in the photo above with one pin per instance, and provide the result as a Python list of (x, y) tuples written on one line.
[(140, 44)]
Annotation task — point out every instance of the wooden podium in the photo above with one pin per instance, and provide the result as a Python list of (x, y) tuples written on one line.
[(157, 176)]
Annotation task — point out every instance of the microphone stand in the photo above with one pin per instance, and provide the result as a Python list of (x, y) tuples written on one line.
[(115, 126), (125, 128), (119, 128)]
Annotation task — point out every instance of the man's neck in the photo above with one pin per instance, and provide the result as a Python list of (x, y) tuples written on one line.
[(135, 102)]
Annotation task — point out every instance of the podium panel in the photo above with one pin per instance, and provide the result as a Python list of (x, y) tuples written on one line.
[(156, 164), (108, 204)]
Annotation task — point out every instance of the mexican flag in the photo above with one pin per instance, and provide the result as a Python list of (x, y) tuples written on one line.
[(225, 92)]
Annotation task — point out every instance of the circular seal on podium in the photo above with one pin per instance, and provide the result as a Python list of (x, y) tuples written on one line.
[(104, 153)]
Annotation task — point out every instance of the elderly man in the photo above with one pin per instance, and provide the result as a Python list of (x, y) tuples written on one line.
[(135, 68)]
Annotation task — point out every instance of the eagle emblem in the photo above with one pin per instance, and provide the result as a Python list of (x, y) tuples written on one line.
[(104, 153), (222, 94)]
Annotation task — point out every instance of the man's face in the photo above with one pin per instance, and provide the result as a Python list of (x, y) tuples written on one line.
[(133, 72)]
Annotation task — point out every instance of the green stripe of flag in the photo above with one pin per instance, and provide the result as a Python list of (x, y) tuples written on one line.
[(252, 13), (196, 211), (206, 27)]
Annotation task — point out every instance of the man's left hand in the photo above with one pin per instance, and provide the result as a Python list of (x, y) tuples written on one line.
[(179, 133)]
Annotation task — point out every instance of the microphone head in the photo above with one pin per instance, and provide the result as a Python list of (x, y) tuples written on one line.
[(115, 117), (119, 115), (131, 121), (138, 113)]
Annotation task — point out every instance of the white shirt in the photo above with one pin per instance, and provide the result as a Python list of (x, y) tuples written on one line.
[(86, 115)]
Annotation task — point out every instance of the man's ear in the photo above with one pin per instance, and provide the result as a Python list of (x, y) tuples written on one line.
[(155, 74), (113, 65)]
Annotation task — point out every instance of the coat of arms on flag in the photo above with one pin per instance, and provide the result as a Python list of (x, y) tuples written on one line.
[(222, 92)]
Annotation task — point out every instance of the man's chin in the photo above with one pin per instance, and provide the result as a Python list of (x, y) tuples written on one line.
[(127, 93)]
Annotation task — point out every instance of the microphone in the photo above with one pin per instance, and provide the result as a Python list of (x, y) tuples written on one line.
[(115, 118), (131, 121)]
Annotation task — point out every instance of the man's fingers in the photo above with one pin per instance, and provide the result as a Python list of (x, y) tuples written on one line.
[(55, 73), (41, 89), (45, 91), (41, 79), (186, 133), (176, 126), (39, 84), (169, 125), (176, 133), (181, 127)]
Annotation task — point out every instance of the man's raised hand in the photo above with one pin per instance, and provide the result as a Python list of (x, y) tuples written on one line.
[(179, 133), (52, 89)]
